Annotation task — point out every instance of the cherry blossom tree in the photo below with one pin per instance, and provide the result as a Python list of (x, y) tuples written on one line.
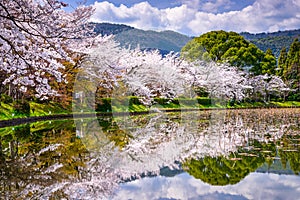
[(145, 74), (264, 85), (219, 80), (148, 74), (35, 36)]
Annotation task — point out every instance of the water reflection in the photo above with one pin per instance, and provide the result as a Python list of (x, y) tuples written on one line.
[(184, 186), (106, 157)]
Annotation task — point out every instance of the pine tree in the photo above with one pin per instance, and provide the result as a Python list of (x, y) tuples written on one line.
[(291, 72), (268, 65), (281, 62)]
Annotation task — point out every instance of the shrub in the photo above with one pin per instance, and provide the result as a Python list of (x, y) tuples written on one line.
[(6, 99), (134, 100), (104, 105), (204, 101), (22, 107), (161, 101)]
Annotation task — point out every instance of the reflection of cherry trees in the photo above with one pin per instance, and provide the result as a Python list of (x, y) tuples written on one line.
[(45, 160), (51, 163), (164, 139)]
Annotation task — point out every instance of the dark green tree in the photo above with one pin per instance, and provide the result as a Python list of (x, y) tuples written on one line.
[(268, 64), (291, 72), (281, 61), (229, 47)]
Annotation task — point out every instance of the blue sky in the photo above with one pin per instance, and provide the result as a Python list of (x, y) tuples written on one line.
[(195, 17)]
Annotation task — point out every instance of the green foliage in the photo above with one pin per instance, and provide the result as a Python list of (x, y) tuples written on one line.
[(134, 100), (163, 101), (110, 29), (165, 40), (113, 132), (281, 62), (290, 153), (22, 161), (22, 107), (22, 132), (6, 99), (229, 47), (268, 64), (292, 61), (290, 67), (232, 169), (222, 170), (104, 105), (204, 101), (131, 103)]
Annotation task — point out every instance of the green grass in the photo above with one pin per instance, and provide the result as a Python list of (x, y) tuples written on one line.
[(44, 109), (268, 104), (36, 109), (287, 104)]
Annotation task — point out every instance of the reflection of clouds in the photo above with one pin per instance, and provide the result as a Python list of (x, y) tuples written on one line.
[(183, 186)]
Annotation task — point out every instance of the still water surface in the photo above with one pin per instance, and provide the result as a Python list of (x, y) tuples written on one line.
[(225, 154)]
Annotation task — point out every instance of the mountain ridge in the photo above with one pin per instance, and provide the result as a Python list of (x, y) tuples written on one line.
[(168, 40)]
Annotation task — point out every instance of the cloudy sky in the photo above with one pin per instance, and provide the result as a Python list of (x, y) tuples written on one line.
[(195, 17)]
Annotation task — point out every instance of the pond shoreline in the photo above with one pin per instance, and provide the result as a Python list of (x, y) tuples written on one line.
[(31, 119)]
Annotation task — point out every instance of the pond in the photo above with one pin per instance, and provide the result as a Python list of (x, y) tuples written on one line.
[(213, 154)]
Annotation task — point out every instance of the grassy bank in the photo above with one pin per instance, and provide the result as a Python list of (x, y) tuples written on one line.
[(132, 104), (8, 110)]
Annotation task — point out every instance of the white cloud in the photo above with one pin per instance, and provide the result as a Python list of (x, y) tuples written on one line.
[(262, 16), (139, 15)]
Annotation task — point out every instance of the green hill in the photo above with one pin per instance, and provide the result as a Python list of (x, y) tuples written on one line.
[(127, 36), (110, 29), (167, 41)]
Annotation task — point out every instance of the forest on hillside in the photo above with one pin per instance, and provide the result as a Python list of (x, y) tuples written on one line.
[(274, 41), (172, 41)]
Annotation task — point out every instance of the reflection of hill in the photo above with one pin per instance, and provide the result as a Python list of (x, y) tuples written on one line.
[(167, 172), (221, 170)]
